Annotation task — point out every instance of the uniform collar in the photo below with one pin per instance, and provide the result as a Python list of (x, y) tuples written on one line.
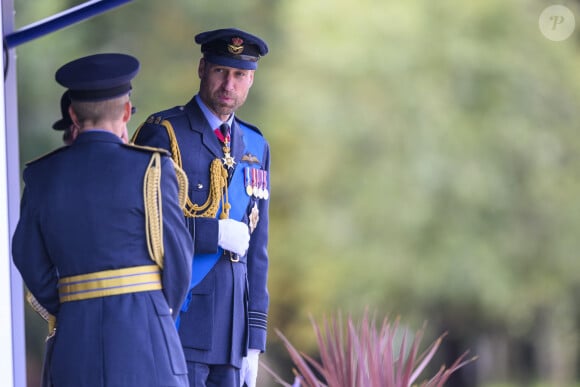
[(93, 135)]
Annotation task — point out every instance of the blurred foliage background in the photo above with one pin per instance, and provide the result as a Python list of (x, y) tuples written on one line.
[(425, 163)]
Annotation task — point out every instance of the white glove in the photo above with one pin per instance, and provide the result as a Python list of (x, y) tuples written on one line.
[(249, 370), (233, 236)]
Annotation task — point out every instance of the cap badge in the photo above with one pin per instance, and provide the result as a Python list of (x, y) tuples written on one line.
[(236, 47)]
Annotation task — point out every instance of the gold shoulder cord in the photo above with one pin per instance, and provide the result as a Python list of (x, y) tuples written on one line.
[(50, 319), (153, 209), (182, 183), (218, 182)]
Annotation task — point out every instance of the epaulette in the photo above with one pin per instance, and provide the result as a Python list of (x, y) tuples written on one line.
[(148, 149), (158, 117), (47, 155), (247, 124)]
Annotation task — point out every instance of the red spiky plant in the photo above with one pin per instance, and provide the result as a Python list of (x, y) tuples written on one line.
[(364, 356)]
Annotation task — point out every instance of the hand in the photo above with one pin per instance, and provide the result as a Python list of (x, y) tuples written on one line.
[(233, 236), (249, 370)]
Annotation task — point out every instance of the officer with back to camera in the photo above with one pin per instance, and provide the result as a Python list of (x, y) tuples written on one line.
[(101, 242)]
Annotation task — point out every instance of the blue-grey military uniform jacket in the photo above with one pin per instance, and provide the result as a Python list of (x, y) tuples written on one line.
[(82, 211), (228, 309)]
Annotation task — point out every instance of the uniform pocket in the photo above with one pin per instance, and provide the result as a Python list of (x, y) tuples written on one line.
[(173, 350), (198, 189), (195, 328)]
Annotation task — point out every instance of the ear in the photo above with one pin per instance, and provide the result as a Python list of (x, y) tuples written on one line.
[(73, 117), (127, 111), (201, 68), (74, 131)]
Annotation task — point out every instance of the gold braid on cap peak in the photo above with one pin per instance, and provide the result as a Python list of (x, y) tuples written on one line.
[(153, 209), (218, 181)]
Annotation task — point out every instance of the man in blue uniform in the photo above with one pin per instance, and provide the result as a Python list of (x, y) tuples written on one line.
[(101, 242), (227, 161)]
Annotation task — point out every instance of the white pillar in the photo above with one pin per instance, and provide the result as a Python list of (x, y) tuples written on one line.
[(12, 339)]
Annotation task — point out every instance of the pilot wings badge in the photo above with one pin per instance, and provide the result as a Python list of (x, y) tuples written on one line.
[(250, 159)]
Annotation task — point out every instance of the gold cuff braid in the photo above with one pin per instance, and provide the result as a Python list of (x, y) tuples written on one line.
[(50, 319)]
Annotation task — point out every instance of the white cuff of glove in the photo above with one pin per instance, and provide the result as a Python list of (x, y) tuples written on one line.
[(233, 236), (249, 370)]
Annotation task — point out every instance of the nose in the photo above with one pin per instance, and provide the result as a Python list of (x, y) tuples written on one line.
[(229, 81)]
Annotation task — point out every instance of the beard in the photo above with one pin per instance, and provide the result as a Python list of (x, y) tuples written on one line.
[(215, 102), (223, 109)]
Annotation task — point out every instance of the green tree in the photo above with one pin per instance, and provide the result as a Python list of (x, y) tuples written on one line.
[(424, 159)]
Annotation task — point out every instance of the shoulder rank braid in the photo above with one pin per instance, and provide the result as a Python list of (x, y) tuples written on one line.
[(218, 179)]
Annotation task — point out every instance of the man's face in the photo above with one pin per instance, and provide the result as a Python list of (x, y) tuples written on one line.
[(223, 89)]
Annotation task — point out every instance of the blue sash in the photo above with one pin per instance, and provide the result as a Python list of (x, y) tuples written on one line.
[(202, 263)]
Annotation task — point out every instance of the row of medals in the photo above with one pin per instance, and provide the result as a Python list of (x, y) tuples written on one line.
[(256, 182), (255, 179)]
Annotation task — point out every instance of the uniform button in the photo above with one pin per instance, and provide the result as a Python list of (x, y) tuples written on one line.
[(170, 310), (199, 186)]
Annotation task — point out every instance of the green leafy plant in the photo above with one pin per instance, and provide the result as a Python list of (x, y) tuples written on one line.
[(364, 356)]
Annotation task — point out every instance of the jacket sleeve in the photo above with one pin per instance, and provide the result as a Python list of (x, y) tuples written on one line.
[(30, 256), (177, 242), (258, 271)]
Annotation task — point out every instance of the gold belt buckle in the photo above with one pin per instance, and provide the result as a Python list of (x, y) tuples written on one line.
[(234, 257)]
